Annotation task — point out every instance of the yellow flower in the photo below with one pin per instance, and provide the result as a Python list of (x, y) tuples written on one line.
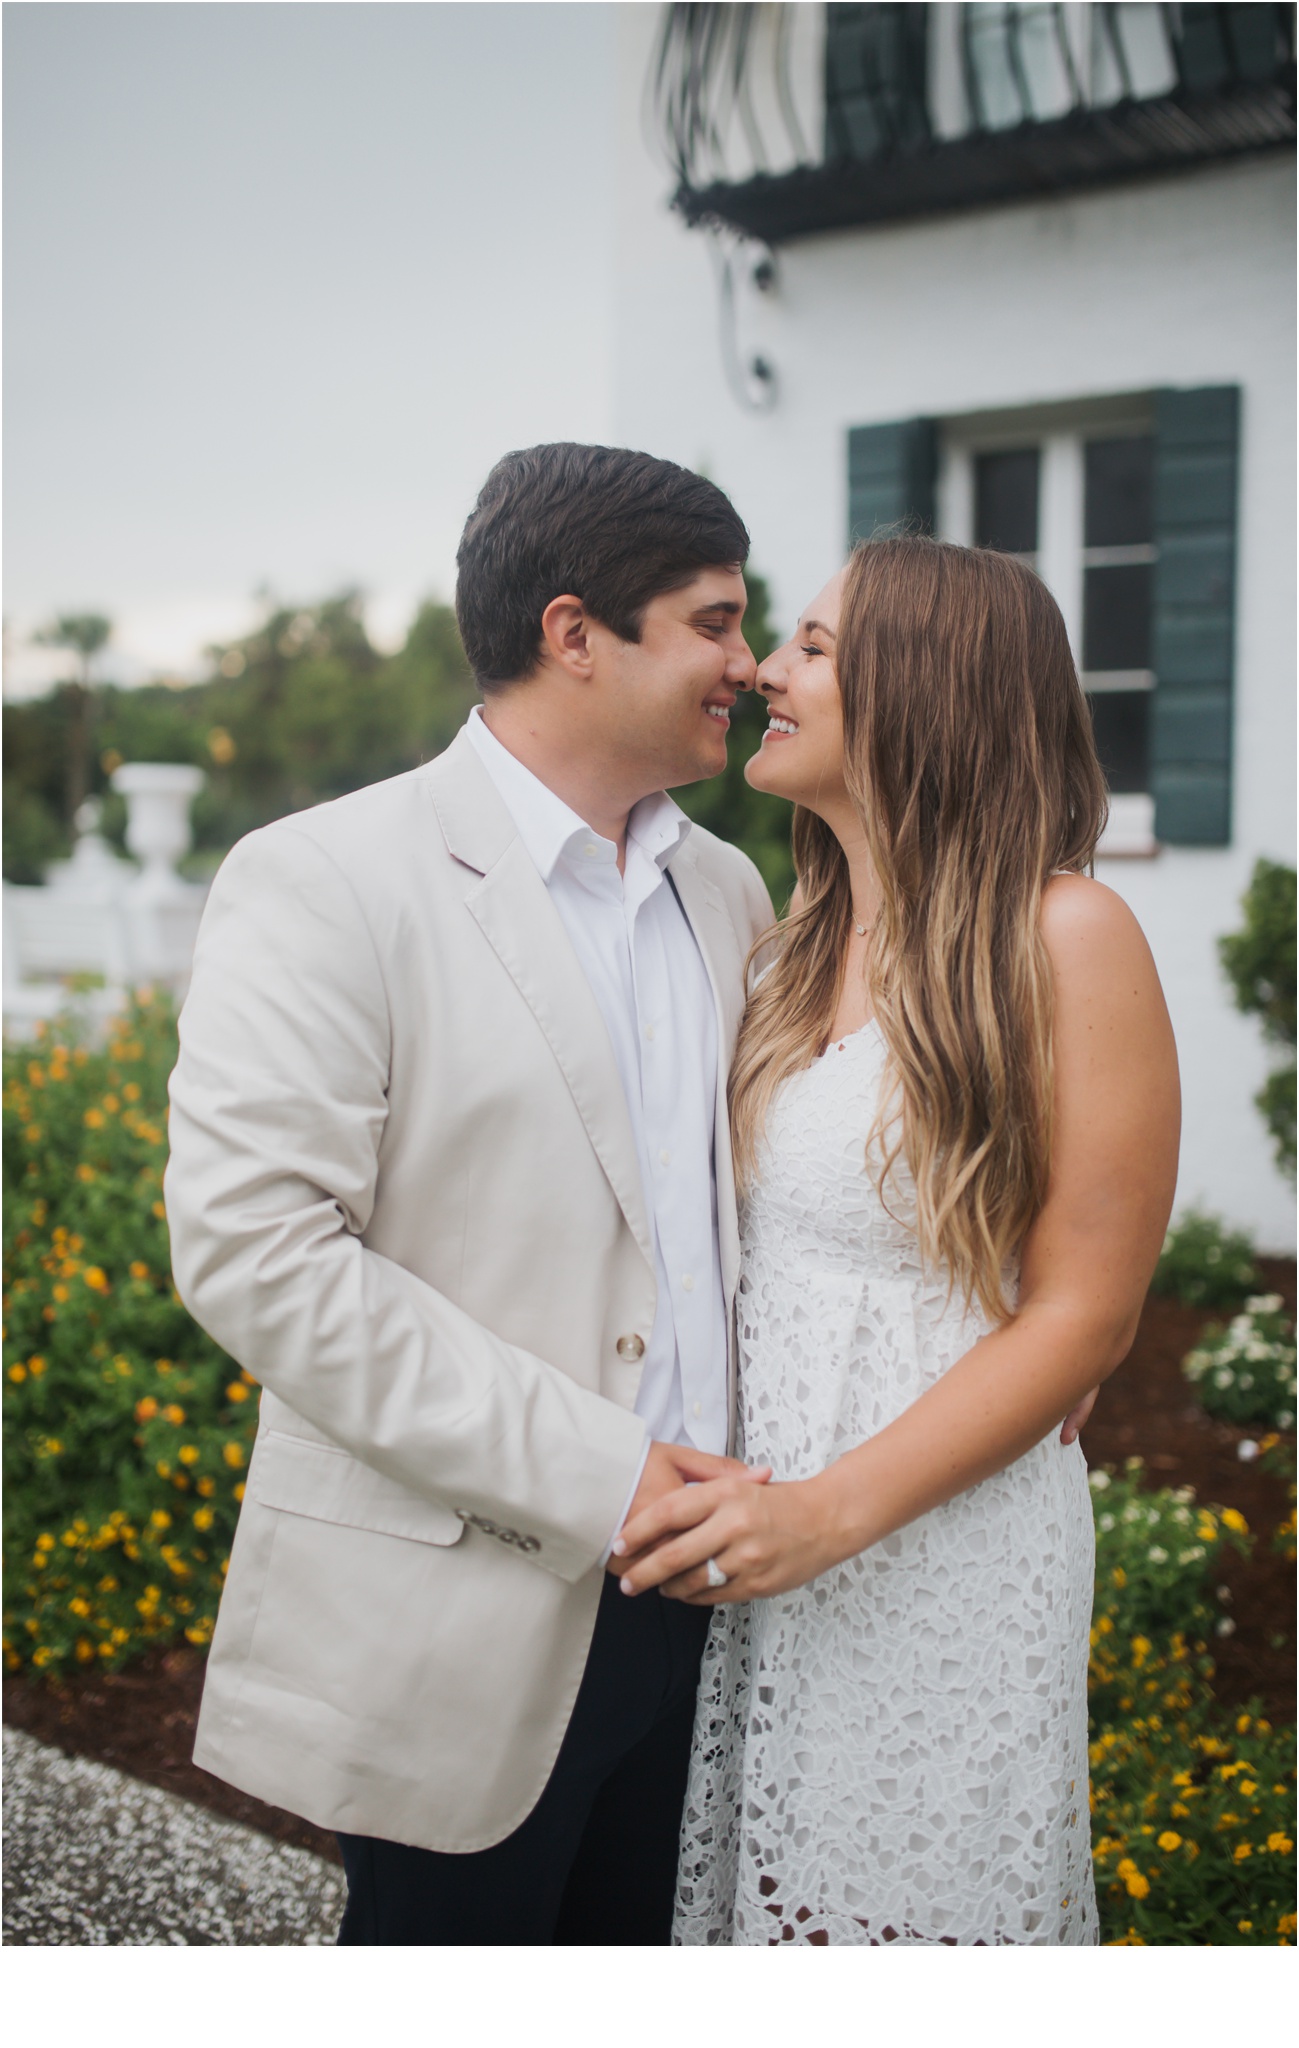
[(159, 1210), (132, 1091), (207, 1487), (1286, 1924), (1247, 1788), (95, 1277), (45, 1542), (238, 1494), (173, 1412), (85, 1650), (85, 1172), (1243, 1724), (1280, 1844), (1232, 1519), (1244, 1926), (1242, 1850), (94, 1119), (78, 1606), (236, 1391), (1119, 1577), (18, 1374), (138, 1270), (1178, 1811), (160, 1519), (188, 1454), (61, 1293), (203, 1518), (1138, 1886), (1169, 1841), (146, 1409), (233, 1455), (36, 1366)]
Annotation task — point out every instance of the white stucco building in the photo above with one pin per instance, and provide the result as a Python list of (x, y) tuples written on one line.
[(1024, 274)]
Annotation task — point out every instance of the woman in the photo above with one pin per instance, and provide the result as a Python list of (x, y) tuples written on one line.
[(955, 1109)]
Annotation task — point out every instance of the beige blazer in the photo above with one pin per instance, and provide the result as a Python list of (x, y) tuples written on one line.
[(404, 1193)]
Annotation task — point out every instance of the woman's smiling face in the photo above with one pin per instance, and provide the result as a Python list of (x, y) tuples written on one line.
[(801, 756)]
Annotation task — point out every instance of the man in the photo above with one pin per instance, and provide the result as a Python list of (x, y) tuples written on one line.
[(450, 1176)]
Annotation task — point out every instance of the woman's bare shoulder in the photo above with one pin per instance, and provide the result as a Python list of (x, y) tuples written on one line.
[(1082, 919), (1105, 977)]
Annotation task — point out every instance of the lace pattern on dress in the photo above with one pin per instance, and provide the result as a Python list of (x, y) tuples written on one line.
[(896, 1752)]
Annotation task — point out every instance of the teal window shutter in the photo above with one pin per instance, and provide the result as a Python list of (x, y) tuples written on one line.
[(1197, 436), (891, 475)]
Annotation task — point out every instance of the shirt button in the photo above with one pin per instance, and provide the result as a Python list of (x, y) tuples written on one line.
[(649, 1031), (590, 849), (688, 1282), (697, 1410), (665, 1158), (631, 1348)]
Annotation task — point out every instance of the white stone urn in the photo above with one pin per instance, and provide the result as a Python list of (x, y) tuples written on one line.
[(162, 910), (158, 796)]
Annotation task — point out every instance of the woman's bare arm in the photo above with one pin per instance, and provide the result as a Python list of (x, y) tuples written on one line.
[(1086, 1265)]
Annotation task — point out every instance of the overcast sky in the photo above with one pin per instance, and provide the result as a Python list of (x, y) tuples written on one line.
[(281, 282)]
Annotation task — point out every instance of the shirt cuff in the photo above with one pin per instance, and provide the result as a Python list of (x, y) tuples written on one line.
[(626, 1506)]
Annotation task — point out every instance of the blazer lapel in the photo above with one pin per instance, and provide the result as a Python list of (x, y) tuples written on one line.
[(512, 907)]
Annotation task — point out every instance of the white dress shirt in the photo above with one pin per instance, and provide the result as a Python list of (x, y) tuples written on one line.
[(640, 957)]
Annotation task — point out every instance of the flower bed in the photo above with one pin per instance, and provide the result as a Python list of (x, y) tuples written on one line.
[(1193, 1809), (127, 1432), (126, 1429)]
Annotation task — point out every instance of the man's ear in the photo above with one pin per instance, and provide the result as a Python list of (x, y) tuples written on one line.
[(565, 628)]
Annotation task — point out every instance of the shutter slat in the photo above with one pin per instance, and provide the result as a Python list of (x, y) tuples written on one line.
[(1196, 464)]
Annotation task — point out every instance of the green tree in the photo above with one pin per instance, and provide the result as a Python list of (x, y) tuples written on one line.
[(82, 634), (1259, 961)]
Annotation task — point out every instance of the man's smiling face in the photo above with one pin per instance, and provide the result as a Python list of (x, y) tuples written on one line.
[(667, 698)]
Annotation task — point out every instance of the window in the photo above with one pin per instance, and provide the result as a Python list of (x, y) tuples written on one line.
[(1126, 507), (1075, 500)]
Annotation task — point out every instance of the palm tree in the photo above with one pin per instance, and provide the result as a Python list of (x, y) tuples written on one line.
[(83, 633)]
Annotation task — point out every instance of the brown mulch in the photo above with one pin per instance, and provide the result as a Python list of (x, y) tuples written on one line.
[(142, 1719)]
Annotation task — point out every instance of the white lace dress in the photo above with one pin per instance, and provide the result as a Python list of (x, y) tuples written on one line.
[(896, 1752)]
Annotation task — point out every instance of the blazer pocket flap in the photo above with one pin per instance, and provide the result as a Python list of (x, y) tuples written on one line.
[(329, 1485)]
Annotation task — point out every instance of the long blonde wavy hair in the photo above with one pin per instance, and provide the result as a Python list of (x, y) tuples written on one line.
[(970, 759)]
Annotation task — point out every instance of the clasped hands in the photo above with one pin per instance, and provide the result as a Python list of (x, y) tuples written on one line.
[(691, 1506)]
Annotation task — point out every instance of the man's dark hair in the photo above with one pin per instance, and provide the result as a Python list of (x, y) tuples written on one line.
[(613, 527)]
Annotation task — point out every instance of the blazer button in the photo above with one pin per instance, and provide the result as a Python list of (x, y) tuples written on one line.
[(631, 1348), (529, 1545)]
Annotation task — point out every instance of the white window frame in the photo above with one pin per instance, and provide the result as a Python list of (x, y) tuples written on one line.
[(1059, 431)]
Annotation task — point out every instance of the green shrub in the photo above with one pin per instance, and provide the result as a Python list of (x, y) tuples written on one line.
[(1246, 1373), (1205, 1265), (1259, 961), (126, 1429), (1192, 1807)]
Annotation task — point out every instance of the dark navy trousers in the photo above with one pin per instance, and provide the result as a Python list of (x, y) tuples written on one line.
[(594, 1864)]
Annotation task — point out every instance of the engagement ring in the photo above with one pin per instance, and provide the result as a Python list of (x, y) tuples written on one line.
[(714, 1574)]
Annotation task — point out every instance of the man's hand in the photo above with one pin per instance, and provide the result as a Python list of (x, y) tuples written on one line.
[(1076, 1419), (670, 1466)]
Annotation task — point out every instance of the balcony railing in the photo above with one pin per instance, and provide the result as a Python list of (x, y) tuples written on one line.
[(781, 121)]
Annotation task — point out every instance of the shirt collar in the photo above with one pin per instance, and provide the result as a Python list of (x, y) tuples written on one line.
[(550, 830)]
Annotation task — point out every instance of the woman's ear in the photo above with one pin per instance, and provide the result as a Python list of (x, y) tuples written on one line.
[(565, 628)]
